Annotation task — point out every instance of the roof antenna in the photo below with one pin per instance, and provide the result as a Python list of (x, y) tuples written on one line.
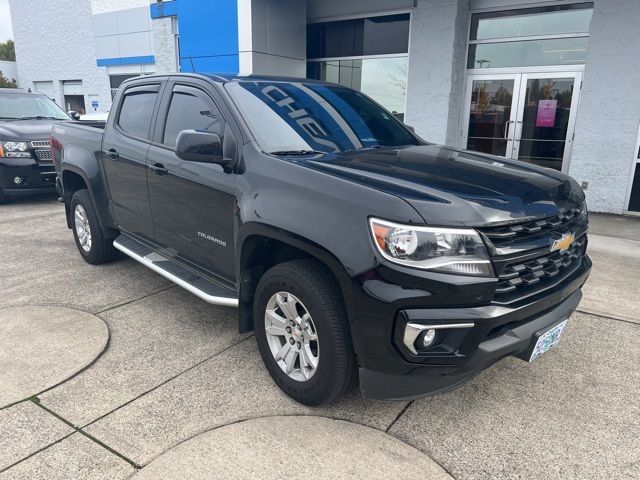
[(193, 69)]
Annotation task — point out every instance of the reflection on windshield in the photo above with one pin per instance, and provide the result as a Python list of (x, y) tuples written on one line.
[(18, 106), (298, 117)]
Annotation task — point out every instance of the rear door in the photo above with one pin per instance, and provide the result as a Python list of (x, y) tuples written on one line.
[(192, 203), (124, 151)]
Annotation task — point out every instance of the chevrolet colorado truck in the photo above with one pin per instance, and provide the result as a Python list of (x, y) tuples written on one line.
[(355, 250), (26, 167)]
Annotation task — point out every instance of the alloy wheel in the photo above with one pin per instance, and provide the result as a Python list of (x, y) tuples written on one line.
[(83, 230), (292, 336)]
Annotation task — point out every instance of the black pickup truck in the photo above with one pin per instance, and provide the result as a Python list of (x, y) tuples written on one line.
[(353, 248), (26, 165)]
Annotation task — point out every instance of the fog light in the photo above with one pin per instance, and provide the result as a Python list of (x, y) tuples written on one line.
[(428, 337), (418, 336), (17, 180)]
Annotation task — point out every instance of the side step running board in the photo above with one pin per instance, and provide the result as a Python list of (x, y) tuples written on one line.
[(200, 286)]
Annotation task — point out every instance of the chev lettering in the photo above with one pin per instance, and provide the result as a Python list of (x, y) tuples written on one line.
[(300, 115), (212, 239)]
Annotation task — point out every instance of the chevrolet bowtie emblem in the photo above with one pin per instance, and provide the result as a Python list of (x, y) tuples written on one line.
[(563, 243)]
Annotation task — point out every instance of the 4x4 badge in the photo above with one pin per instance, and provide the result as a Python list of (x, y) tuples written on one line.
[(563, 242)]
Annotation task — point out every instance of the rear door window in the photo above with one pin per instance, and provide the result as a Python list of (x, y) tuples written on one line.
[(137, 110)]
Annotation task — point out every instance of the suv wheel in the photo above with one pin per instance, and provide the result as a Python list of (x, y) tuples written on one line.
[(3, 198), (94, 247), (302, 332)]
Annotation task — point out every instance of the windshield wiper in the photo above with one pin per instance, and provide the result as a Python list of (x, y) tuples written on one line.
[(295, 152), (9, 118), (40, 117)]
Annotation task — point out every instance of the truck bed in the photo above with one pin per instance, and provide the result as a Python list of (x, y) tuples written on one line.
[(85, 137), (99, 124)]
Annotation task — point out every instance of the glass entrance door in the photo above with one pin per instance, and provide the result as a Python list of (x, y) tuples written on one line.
[(528, 116), (491, 114)]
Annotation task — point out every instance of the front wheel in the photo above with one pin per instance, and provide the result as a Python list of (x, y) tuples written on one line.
[(94, 247), (302, 332), (3, 198)]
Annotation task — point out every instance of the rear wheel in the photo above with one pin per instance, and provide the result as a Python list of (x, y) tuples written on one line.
[(302, 332), (94, 247)]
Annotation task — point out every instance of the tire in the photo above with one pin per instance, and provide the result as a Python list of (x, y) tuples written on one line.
[(3, 198), (313, 290), (96, 249)]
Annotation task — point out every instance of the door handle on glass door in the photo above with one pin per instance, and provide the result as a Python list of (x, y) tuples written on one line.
[(506, 129), (518, 133)]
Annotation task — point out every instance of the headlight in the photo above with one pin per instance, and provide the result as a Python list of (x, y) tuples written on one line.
[(583, 208), (14, 149), (449, 250)]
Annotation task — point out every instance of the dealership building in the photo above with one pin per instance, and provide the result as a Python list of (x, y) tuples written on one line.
[(553, 83)]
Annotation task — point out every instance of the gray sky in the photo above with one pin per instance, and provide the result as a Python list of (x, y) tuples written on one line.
[(6, 32)]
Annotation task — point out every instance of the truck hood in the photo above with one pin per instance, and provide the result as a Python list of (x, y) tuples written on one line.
[(453, 187), (16, 130)]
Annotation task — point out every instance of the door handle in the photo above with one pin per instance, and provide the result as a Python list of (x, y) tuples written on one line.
[(518, 133), (112, 153), (506, 128), (158, 169)]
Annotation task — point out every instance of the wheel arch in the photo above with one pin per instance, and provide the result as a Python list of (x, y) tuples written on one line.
[(262, 247), (74, 178)]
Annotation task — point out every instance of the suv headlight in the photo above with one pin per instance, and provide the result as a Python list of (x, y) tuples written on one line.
[(583, 208), (14, 149), (448, 250)]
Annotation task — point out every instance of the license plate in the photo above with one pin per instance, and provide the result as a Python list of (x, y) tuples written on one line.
[(547, 340)]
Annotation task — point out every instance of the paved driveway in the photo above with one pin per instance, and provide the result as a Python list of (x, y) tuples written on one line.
[(162, 386)]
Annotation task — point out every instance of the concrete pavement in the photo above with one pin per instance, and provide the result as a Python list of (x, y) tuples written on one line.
[(178, 393), (44, 346), (293, 447)]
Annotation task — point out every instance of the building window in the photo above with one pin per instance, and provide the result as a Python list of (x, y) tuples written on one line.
[(116, 80), (530, 37), (367, 54), (362, 36), (383, 79)]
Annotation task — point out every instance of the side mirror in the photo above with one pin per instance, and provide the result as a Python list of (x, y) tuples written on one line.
[(202, 147), (73, 114), (413, 130)]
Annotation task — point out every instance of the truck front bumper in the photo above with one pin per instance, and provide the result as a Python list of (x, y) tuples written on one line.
[(24, 176), (390, 370), (425, 381)]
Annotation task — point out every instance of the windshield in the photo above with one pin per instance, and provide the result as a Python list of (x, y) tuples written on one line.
[(302, 117), (27, 106)]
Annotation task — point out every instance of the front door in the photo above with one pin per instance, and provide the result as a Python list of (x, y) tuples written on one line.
[(528, 116), (192, 203)]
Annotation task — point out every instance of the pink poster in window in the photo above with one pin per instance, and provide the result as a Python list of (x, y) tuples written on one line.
[(546, 113)]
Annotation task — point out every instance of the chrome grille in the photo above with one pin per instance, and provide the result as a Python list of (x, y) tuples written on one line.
[(40, 144), (44, 155), (525, 278)]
